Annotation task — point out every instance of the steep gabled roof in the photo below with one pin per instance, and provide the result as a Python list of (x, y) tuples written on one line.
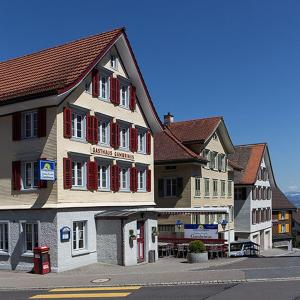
[(195, 130), (280, 200), (49, 71), (249, 158), (167, 148)]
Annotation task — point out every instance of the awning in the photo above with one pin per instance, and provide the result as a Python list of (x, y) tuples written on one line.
[(185, 210), (116, 214)]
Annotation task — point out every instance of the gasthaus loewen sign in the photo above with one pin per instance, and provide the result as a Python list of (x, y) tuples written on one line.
[(205, 231), (47, 169)]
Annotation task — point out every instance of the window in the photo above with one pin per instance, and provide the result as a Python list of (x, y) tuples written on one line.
[(197, 186), (124, 95), (88, 87), (269, 192), (283, 215), (79, 235), (124, 179), (30, 124), (141, 141), (114, 62), (124, 138), (215, 187), (229, 188), (206, 154), (103, 177), (215, 137), (30, 178), (31, 236), (141, 180), (103, 135), (104, 87), (213, 160), (283, 228), (78, 127), (170, 187), (206, 186), (78, 174), (253, 217), (222, 162), (4, 237), (223, 188)]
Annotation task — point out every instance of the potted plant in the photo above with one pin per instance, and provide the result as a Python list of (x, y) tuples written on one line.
[(132, 236), (197, 252)]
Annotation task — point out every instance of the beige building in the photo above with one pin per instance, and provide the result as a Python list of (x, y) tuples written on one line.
[(85, 106), (192, 171)]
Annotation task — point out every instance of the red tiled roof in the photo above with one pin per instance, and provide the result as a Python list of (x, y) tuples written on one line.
[(249, 158), (280, 200), (52, 70), (194, 130), (168, 148)]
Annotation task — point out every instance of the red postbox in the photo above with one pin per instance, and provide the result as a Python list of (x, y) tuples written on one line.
[(41, 260)]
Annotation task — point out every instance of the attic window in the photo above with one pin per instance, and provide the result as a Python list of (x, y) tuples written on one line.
[(215, 137), (114, 62)]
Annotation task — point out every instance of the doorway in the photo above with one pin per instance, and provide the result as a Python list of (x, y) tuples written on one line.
[(140, 241)]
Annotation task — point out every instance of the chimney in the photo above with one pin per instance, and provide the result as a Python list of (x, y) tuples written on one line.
[(168, 119)]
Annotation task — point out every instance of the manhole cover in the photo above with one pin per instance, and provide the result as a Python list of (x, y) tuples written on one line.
[(100, 280)]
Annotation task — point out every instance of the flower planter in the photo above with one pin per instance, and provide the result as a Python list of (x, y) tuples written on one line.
[(197, 257)]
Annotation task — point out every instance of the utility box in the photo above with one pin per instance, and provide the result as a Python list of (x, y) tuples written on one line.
[(151, 256), (41, 260)]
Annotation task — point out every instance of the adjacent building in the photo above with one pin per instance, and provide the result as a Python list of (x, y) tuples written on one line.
[(253, 194), (192, 171), (85, 106), (282, 211)]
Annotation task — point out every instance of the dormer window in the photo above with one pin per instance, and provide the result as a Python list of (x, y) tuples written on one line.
[(114, 62)]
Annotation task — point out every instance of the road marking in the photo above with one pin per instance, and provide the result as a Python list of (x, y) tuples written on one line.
[(102, 288), (86, 295)]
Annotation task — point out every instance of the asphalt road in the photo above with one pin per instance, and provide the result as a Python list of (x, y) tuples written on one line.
[(288, 290)]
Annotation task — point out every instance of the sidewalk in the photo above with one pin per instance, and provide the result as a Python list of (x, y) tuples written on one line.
[(167, 270), (280, 252)]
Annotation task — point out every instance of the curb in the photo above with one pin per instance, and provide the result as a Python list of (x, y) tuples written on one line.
[(162, 284)]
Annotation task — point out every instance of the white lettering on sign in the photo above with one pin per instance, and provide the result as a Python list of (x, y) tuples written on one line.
[(111, 153)]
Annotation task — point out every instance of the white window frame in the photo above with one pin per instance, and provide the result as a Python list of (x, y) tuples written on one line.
[(33, 129), (206, 187), (206, 154), (75, 177), (215, 184), (122, 138), (74, 129), (75, 235), (32, 186), (101, 121), (141, 174), (114, 62), (124, 178), (283, 228), (126, 99), (4, 237), (223, 188), (104, 88), (197, 186), (141, 141), (35, 236), (100, 174)]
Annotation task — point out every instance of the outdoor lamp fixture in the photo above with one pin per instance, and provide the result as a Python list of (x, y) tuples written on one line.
[(179, 224), (223, 224)]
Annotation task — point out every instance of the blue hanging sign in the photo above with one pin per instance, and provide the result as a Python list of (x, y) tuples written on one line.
[(47, 169)]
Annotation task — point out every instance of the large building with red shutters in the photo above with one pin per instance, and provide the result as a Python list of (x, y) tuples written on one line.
[(85, 106)]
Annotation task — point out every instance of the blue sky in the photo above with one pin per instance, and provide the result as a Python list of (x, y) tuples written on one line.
[(238, 59)]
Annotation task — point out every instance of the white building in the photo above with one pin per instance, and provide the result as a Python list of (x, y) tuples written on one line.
[(84, 105), (253, 194)]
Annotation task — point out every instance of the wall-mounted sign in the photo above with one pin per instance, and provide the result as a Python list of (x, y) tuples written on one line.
[(65, 234), (111, 153), (206, 231), (47, 169)]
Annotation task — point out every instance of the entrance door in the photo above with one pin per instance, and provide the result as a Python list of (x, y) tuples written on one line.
[(140, 241)]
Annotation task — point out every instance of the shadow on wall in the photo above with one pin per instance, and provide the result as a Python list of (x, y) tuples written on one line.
[(17, 252)]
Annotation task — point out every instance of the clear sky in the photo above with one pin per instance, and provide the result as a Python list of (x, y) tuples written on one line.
[(237, 59)]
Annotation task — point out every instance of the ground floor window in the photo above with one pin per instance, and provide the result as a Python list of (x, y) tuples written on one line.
[(4, 237), (31, 236), (79, 235)]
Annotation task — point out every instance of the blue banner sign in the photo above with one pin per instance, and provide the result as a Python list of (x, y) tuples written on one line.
[(204, 231), (47, 169)]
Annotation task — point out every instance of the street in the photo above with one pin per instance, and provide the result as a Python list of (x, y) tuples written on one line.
[(267, 290)]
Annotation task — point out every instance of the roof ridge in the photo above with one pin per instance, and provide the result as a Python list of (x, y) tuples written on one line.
[(198, 119), (64, 44), (253, 144)]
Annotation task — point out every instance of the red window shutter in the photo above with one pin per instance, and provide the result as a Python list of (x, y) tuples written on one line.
[(113, 90), (95, 130), (16, 175), (95, 83), (92, 176), (148, 180), (112, 134), (148, 143), (16, 126), (117, 136), (117, 92), (112, 178), (67, 173), (117, 186), (133, 179), (67, 122), (42, 183), (132, 100), (42, 123), (89, 128)]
